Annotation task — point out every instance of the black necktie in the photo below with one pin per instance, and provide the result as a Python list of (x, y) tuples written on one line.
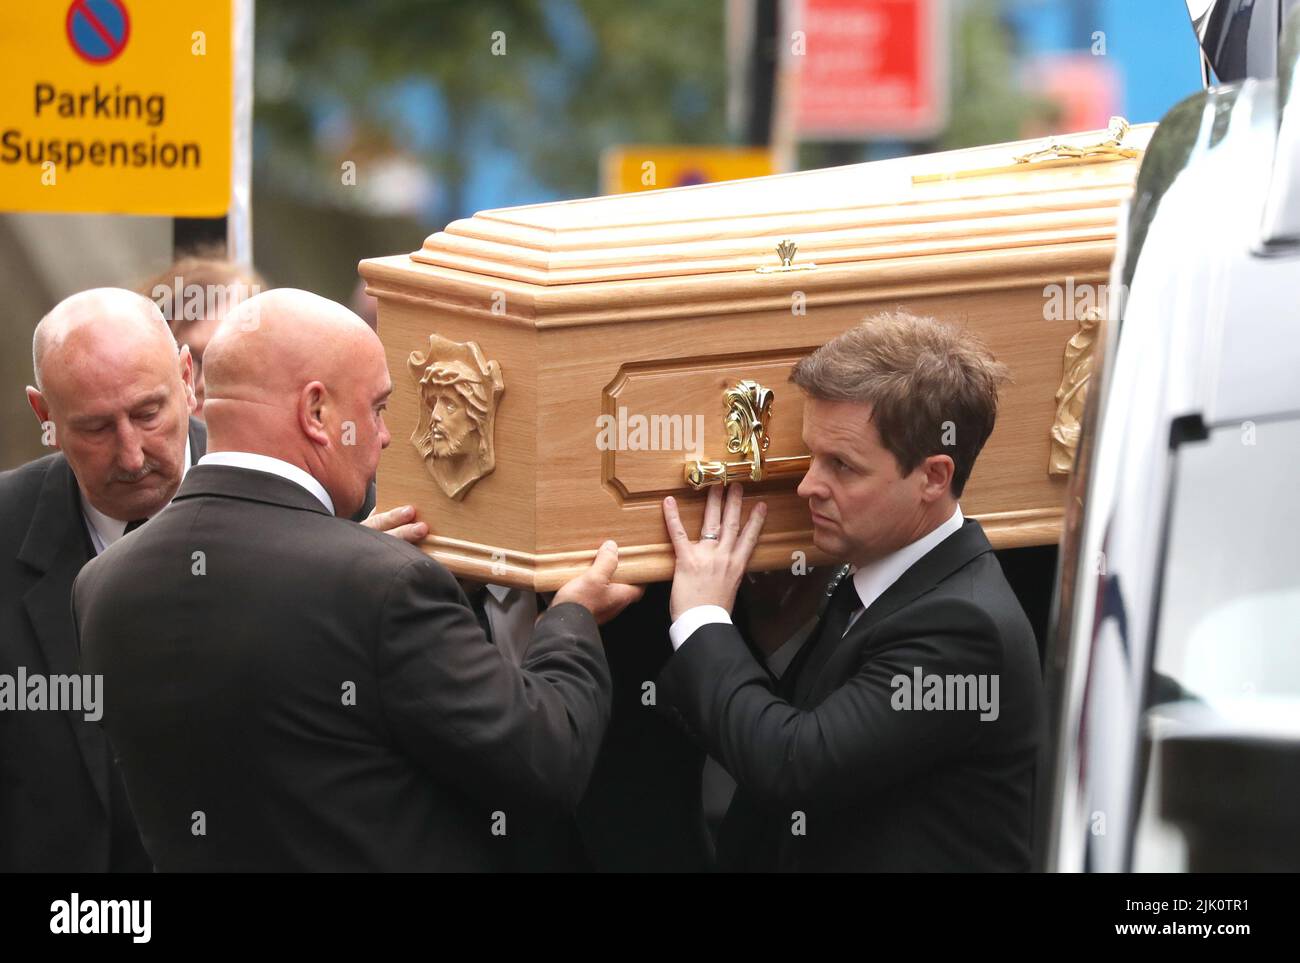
[(834, 619), (132, 525), (844, 602)]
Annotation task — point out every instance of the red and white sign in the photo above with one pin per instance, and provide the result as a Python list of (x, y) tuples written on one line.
[(869, 68), (1086, 90)]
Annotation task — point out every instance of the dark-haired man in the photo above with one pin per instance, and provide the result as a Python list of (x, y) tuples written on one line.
[(902, 735)]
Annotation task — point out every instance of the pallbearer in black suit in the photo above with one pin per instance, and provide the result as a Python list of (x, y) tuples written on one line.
[(114, 395), (903, 734), (285, 690)]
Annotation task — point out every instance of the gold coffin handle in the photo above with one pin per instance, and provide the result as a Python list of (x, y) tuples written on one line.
[(748, 408)]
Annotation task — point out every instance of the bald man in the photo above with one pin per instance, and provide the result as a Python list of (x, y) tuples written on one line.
[(114, 396), (308, 694)]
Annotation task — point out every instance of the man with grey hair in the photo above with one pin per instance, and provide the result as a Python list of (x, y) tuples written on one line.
[(114, 396)]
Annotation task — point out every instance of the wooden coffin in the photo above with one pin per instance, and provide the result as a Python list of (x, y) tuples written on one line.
[(550, 361)]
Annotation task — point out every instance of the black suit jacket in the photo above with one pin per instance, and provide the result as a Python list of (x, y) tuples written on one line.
[(873, 787), (319, 696), (62, 807)]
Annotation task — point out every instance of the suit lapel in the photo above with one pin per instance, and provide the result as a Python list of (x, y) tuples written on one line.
[(959, 548), (813, 639), (57, 546), (817, 660)]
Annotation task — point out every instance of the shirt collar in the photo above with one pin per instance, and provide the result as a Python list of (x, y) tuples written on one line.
[(104, 531), (871, 581), (272, 466)]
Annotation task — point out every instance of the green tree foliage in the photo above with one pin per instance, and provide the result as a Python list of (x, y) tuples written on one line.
[(988, 104), (576, 77)]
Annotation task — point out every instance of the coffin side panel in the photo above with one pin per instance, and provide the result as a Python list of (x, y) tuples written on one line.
[(493, 525), (682, 365)]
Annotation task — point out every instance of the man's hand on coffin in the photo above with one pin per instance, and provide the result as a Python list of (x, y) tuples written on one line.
[(399, 522), (709, 571), (594, 591)]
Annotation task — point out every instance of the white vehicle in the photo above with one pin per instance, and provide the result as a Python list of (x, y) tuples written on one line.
[(1174, 671)]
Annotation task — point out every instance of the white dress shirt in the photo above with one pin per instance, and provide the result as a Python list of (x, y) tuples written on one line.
[(272, 466), (871, 581), (104, 531)]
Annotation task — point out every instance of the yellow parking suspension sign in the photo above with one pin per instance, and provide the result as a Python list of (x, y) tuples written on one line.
[(116, 106), (650, 167)]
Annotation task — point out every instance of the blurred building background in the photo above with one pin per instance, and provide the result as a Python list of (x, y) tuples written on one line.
[(376, 124)]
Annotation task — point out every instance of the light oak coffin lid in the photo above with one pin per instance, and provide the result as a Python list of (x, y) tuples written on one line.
[(838, 216)]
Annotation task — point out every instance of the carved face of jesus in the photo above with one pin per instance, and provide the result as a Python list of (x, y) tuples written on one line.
[(451, 424)]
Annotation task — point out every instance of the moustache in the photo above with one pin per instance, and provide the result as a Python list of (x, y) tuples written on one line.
[(129, 478)]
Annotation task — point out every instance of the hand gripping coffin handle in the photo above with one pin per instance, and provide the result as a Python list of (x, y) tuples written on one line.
[(748, 408)]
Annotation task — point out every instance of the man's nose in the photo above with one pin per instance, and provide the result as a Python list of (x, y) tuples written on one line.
[(812, 484), (384, 436), (130, 449)]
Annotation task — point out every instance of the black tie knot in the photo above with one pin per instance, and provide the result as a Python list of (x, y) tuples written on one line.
[(831, 623), (843, 603)]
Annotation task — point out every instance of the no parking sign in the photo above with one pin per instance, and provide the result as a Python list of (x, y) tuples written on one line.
[(116, 106), (98, 29)]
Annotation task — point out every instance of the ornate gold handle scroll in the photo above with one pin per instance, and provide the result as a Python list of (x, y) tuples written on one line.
[(748, 408)]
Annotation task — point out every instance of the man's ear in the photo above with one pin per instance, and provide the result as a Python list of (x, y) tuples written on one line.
[(937, 471), (38, 403), (42, 408), (311, 412), (186, 362)]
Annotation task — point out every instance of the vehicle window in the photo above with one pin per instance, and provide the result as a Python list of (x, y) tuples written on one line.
[(1229, 629), (1227, 644)]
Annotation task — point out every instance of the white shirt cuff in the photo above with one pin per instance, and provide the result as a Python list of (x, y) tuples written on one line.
[(692, 619)]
